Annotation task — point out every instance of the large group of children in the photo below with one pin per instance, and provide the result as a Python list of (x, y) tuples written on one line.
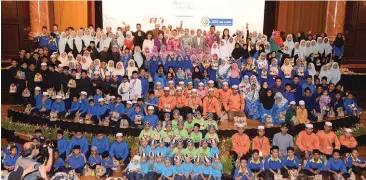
[(176, 85), (194, 156)]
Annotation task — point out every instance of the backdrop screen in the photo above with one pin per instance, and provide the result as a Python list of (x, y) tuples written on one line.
[(232, 14)]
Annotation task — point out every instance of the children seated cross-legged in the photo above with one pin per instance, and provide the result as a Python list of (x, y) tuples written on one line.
[(181, 132), (315, 165), (144, 165), (179, 150), (291, 164), (255, 164), (107, 162), (187, 166), (335, 167), (178, 168), (217, 167), (211, 133), (197, 169), (207, 170), (356, 164), (272, 164), (133, 169), (243, 172), (59, 164), (76, 160), (159, 165), (168, 170), (94, 158), (196, 135), (10, 160), (203, 150)]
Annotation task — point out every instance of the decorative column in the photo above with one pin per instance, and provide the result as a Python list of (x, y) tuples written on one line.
[(336, 13), (38, 13)]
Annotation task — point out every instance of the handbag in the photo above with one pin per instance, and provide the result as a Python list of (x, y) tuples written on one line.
[(71, 83), (320, 117), (124, 123), (331, 113), (340, 112), (13, 88), (26, 93)]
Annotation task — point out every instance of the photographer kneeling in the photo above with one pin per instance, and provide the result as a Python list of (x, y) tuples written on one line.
[(26, 168)]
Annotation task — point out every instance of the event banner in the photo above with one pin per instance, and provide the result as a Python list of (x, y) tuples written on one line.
[(231, 14)]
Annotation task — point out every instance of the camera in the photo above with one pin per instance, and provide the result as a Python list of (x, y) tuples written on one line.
[(43, 151)]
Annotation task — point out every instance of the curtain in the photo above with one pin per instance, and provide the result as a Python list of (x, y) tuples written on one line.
[(301, 16)]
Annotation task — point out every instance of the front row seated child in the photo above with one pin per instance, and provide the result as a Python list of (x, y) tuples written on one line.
[(350, 105), (94, 158), (335, 167), (76, 160), (243, 172), (107, 162), (59, 164), (9, 160), (196, 135), (133, 170), (58, 107), (356, 164), (255, 164), (315, 164), (291, 164), (272, 164)]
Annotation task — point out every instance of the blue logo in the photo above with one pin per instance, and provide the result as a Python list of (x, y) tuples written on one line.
[(216, 22)]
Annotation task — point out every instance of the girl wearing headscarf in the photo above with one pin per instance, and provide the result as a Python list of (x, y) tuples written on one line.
[(289, 42), (253, 80), (70, 42), (168, 63), (309, 52), (262, 62), (70, 59), (286, 53), (153, 65), (249, 67), (62, 43), (276, 41), (215, 49), (338, 46), (63, 58), (87, 37), (85, 62), (325, 72), (187, 63), (138, 57), (301, 71), (312, 71), (267, 47), (327, 50), (274, 72), (335, 73), (238, 52), (320, 46), (78, 44), (160, 40), (110, 67), (266, 106), (163, 53), (119, 70), (129, 40), (120, 39), (263, 89), (178, 63), (296, 51), (197, 76), (181, 75), (223, 73), (287, 71), (252, 102), (160, 77), (302, 50), (235, 75), (279, 109), (244, 86)]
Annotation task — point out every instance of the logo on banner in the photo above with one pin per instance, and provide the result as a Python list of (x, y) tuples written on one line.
[(216, 22), (205, 21)]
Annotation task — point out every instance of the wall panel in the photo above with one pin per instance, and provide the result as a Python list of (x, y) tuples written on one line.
[(71, 13)]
